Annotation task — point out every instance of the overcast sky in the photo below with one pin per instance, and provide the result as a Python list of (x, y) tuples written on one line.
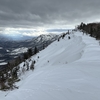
[(38, 16)]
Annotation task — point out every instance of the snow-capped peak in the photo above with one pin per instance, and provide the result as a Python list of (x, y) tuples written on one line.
[(46, 37)]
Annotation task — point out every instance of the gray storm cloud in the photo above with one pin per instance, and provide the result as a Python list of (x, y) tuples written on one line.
[(42, 13)]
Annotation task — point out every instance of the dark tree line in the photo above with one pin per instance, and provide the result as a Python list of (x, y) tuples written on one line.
[(91, 28), (9, 73)]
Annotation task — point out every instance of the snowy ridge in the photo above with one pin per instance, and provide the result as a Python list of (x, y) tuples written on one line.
[(63, 52), (46, 37), (65, 70)]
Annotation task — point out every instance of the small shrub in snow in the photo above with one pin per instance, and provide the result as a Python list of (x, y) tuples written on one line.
[(58, 39), (68, 37), (29, 60), (23, 70), (34, 61), (32, 65), (27, 65)]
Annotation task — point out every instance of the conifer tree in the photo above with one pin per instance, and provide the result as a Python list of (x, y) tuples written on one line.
[(30, 53), (25, 55), (35, 50)]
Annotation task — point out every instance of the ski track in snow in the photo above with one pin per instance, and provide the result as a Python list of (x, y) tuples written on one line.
[(65, 70)]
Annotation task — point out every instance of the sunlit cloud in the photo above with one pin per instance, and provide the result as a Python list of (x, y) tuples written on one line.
[(34, 17), (23, 32)]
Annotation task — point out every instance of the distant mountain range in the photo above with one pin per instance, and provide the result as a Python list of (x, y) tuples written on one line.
[(10, 49)]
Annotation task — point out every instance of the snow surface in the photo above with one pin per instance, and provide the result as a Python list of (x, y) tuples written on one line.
[(8, 50), (65, 70), (19, 50), (3, 63), (1, 60), (1, 48)]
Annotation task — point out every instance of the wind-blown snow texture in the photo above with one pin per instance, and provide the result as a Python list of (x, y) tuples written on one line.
[(65, 70)]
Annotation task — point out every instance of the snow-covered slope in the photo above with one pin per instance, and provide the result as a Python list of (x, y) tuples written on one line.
[(65, 70), (19, 51)]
